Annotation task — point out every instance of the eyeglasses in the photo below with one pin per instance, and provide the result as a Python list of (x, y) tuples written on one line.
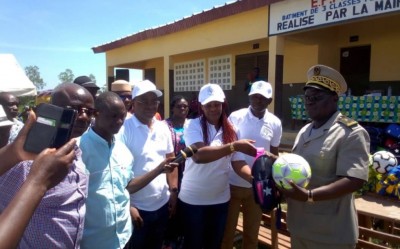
[(182, 106), (315, 98), (82, 110), (125, 96), (148, 103)]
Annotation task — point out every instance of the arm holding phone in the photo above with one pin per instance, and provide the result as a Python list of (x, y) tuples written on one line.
[(14, 153), (48, 169)]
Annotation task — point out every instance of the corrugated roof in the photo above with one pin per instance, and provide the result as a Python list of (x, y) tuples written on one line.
[(205, 16)]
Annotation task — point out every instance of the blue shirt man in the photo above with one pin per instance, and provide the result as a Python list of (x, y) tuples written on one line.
[(107, 222)]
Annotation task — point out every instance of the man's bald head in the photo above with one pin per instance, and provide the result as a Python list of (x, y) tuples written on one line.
[(69, 95)]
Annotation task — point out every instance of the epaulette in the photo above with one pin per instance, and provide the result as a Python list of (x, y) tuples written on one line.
[(351, 123)]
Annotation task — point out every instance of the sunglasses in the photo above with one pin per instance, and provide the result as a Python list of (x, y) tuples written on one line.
[(82, 110), (125, 96), (315, 98)]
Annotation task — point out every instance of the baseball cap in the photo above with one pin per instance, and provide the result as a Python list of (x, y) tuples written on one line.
[(86, 82), (143, 87), (3, 118), (211, 92), (261, 87), (325, 78), (121, 86)]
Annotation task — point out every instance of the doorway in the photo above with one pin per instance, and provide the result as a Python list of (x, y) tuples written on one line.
[(355, 68), (245, 63)]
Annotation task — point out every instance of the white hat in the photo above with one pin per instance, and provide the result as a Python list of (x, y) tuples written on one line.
[(143, 87), (261, 87), (121, 86), (326, 78), (3, 118), (211, 92)]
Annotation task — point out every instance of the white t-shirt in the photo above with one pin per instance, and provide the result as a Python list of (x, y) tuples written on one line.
[(266, 131), (208, 183), (148, 147)]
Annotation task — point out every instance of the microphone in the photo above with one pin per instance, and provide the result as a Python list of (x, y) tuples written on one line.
[(184, 154)]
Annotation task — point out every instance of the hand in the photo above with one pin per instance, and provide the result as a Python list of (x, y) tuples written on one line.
[(245, 146), (271, 155), (296, 192), (167, 166), (51, 165), (136, 218)]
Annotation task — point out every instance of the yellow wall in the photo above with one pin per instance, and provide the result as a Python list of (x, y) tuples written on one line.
[(303, 49), (249, 25), (233, 50), (298, 59), (323, 45), (384, 36), (158, 64)]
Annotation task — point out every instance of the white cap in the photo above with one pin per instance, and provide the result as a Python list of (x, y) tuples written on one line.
[(211, 92), (261, 87), (3, 118), (143, 87)]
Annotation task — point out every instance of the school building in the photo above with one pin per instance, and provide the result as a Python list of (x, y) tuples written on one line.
[(359, 38)]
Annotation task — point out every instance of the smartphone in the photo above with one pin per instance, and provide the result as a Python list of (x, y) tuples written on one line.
[(52, 128)]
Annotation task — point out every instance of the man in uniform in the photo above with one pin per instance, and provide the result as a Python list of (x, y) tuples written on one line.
[(337, 149)]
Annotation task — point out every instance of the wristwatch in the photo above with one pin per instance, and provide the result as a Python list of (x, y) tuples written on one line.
[(310, 196), (173, 190)]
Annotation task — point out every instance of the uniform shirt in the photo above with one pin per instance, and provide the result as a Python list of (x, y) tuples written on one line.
[(206, 183), (148, 147), (107, 222), (266, 131), (15, 129), (59, 218), (333, 150)]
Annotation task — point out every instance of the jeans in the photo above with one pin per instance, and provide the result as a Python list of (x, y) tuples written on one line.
[(204, 225), (151, 235)]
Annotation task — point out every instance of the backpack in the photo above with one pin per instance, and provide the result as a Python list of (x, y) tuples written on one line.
[(265, 191), (393, 130)]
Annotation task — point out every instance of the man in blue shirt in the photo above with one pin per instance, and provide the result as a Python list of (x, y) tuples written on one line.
[(107, 223)]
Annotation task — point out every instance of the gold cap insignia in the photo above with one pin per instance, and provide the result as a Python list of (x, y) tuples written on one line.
[(317, 70)]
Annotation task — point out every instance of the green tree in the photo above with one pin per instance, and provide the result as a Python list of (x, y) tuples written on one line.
[(92, 77), (34, 75), (66, 76)]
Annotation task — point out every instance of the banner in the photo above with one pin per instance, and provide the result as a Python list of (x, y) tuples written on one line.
[(292, 15)]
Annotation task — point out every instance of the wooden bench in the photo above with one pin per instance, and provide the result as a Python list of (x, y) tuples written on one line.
[(268, 233), (371, 208), (374, 239)]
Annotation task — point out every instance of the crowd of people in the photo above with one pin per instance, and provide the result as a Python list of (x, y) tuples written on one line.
[(116, 183)]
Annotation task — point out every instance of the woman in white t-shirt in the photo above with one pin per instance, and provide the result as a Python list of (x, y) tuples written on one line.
[(205, 185)]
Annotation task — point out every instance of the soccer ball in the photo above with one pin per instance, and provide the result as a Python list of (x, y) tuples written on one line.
[(383, 161), (291, 167)]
